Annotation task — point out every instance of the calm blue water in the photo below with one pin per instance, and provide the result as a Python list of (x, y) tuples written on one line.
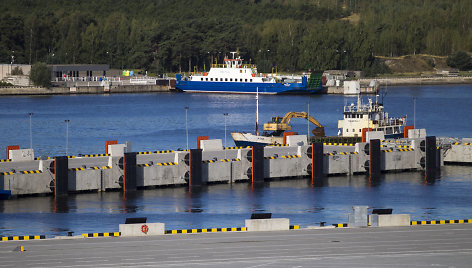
[(157, 122)]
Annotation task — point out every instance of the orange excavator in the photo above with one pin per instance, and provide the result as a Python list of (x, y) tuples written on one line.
[(280, 124)]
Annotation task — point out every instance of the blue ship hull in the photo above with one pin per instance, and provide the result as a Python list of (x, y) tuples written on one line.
[(243, 87)]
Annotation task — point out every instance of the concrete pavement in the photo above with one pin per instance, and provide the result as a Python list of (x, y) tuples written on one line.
[(415, 246)]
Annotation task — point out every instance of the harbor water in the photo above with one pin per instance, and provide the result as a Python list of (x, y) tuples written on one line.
[(158, 122)]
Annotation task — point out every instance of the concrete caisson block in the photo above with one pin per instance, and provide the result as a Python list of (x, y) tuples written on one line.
[(260, 225), (142, 229), (211, 145), (21, 155), (389, 220), (297, 140)]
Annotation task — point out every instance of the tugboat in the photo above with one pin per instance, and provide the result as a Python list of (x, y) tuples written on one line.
[(235, 77), (371, 116)]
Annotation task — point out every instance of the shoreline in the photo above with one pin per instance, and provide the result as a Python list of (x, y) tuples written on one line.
[(418, 81), (393, 81)]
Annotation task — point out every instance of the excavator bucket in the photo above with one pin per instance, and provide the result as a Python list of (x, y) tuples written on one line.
[(318, 132)]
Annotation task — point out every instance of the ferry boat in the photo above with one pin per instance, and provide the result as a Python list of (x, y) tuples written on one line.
[(235, 77), (371, 116)]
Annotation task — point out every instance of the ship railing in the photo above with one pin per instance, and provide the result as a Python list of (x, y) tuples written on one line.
[(248, 66)]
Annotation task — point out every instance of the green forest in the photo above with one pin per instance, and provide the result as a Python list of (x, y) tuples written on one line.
[(163, 36)]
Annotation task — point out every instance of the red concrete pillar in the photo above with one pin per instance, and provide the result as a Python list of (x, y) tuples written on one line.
[(201, 138), (364, 134), (405, 130), (12, 147), (109, 143), (287, 133)]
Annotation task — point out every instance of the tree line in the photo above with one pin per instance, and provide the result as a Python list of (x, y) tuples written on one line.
[(185, 35)]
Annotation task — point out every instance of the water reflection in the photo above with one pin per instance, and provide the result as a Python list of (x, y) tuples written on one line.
[(447, 196)]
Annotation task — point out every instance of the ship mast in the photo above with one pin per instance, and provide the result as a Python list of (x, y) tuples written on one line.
[(257, 111)]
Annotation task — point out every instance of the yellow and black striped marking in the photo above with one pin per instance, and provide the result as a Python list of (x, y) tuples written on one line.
[(341, 225), (294, 227), (31, 171), (71, 156), (95, 155), (405, 150), (290, 156), (348, 153), (208, 161), (39, 158), (236, 148), (330, 154), (7, 173), (167, 164), (278, 145), (404, 146), (164, 152), (26, 237), (441, 222), (104, 167), (387, 151), (230, 160), (143, 165), (270, 157), (209, 230), (338, 144), (144, 152), (101, 234), (5, 160), (76, 169)]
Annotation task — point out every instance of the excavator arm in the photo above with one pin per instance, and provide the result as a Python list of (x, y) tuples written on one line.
[(279, 125), (288, 116)]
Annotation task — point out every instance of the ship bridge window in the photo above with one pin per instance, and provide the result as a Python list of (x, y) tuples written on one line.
[(245, 80), (221, 79), (360, 130), (353, 130), (206, 79), (226, 79), (250, 80), (201, 78), (231, 79), (240, 80), (211, 79)]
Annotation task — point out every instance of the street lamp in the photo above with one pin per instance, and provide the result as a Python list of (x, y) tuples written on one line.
[(31, 130), (186, 124), (225, 115), (67, 134), (308, 121)]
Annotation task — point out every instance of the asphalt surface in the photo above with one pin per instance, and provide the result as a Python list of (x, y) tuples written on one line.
[(416, 246)]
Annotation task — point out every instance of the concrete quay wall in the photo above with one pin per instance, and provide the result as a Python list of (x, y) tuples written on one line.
[(83, 90), (405, 81), (108, 172)]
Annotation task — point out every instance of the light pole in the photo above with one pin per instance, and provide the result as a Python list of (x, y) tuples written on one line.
[(67, 134), (225, 115), (31, 130), (186, 124), (308, 121)]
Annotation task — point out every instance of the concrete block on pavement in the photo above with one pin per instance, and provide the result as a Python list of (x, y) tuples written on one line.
[(142, 229), (389, 220), (259, 225)]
